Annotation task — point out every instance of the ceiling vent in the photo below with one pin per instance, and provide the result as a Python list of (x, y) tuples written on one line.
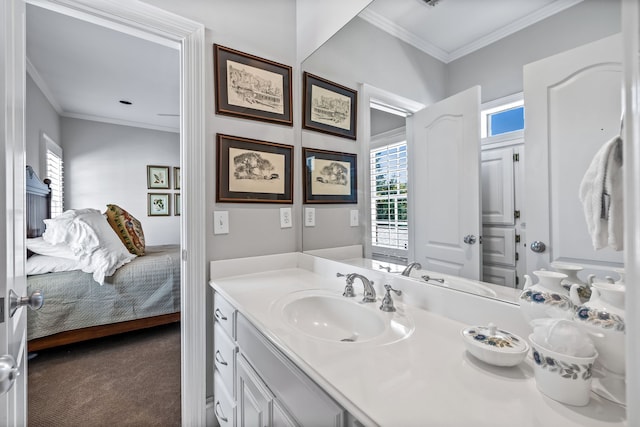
[(430, 2)]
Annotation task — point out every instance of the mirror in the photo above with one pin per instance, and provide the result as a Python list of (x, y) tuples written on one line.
[(391, 67)]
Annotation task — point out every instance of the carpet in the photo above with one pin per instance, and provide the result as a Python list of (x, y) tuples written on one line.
[(131, 379)]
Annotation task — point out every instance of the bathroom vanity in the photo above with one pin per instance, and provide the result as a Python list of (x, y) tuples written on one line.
[(290, 350)]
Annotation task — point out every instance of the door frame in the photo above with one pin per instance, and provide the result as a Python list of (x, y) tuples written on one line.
[(146, 21)]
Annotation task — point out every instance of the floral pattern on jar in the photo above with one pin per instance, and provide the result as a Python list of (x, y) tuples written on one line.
[(495, 341), (566, 370), (600, 318), (548, 298)]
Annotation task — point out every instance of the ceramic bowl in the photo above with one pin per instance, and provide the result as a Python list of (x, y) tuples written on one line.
[(564, 378), (495, 346)]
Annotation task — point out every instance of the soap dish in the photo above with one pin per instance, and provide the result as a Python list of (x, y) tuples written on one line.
[(495, 346)]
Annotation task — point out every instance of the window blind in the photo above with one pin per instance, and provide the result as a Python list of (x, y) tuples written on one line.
[(389, 229), (55, 172)]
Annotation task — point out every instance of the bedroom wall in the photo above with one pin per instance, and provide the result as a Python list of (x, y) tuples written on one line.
[(40, 116), (500, 74), (107, 163)]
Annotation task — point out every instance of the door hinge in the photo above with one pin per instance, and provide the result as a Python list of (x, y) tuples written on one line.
[(517, 256), (517, 281), (516, 157), (516, 214), (1, 310), (517, 238)]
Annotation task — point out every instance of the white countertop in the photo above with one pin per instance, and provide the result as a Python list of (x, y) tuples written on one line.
[(425, 379)]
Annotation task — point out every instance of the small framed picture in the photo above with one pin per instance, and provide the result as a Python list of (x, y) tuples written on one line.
[(329, 176), (176, 178), (329, 107), (158, 204), (252, 87), (157, 177), (253, 171), (177, 204)]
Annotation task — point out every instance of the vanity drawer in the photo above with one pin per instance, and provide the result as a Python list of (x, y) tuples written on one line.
[(224, 314), (223, 406), (224, 356)]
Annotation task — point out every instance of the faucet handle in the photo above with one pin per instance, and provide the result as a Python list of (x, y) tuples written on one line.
[(389, 288), (341, 275), (387, 302)]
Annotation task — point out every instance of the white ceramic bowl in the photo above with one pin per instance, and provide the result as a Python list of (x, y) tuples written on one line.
[(564, 378), (495, 346)]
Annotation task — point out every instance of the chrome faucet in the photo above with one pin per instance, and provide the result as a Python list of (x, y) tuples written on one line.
[(408, 268), (369, 291), (387, 303)]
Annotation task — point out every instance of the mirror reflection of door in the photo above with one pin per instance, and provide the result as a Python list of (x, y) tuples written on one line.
[(573, 104)]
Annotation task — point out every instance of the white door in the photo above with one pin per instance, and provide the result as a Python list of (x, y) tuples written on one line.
[(498, 186), (573, 107), (13, 406), (445, 151)]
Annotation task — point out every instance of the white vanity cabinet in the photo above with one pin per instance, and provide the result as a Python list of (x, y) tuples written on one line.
[(266, 388)]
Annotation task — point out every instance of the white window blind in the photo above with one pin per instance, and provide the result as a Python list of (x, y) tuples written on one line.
[(389, 229), (55, 172)]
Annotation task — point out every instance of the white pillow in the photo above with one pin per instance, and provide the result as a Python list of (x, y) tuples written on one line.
[(90, 239), (66, 228), (41, 264), (39, 246)]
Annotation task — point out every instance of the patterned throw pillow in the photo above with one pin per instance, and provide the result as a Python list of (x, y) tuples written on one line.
[(127, 228)]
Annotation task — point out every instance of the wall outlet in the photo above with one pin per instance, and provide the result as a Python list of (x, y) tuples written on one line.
[(221, 222), (354, 217), (285, 218), (309, 217)]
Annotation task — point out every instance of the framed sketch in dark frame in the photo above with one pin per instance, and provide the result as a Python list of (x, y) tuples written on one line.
[(253, 171), (329, 107), (329, 176), (158, 204), (157, 177), (252, 87)]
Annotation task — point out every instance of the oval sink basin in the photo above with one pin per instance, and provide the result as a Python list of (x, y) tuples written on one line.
[(334, 318)]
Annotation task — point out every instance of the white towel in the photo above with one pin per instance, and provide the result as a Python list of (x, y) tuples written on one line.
[(601, 196)]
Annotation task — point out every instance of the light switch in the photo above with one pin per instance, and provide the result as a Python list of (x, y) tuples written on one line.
[(354, 217), (310, 217), (285, 218), (220, 222)]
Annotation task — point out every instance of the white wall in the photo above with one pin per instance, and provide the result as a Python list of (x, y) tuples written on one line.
[(107, 163), (40, 117), (498, 67)]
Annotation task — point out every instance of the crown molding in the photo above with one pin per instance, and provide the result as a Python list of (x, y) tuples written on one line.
[(39, 81), (390, 27), (120, 122), (507, 30)]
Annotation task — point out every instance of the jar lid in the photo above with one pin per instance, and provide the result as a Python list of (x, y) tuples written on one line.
[(494, 339)]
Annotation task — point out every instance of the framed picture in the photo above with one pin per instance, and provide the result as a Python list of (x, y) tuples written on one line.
[(252, 87), (329, 107), (158, 204), (176, 178), (329, 177), (177, 204), (253, 171), (158, 177)]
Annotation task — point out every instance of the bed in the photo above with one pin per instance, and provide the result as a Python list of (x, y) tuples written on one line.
[(132, 292)]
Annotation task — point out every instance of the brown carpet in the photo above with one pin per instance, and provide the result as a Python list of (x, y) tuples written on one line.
[(131, 379)]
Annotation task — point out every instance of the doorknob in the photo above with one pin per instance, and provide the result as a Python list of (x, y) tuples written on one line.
[(34, 301), (470, 239), (538, 247), (8, 372)]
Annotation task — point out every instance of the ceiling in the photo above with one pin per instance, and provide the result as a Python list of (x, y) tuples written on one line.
[(454, 28), (85, 69)]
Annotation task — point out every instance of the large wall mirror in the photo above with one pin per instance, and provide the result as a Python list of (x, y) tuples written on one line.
[(461, 197)]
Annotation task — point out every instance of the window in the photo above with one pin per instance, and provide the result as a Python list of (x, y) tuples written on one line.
[(389, 230), (503, 116), (54, 171)]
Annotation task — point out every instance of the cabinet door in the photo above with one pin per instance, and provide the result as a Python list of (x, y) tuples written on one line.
[(498, 186), (253, 398), (280, 417)]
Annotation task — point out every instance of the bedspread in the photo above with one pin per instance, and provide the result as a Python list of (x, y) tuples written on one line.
[(147, 286)]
